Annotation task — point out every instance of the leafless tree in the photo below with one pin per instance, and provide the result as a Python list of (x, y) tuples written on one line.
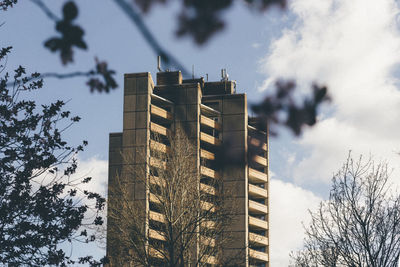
[(359, 225), (188, 220)]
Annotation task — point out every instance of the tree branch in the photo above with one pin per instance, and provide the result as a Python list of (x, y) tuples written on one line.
[(46, 10), (66, 75), (149, 37), (58, 76)]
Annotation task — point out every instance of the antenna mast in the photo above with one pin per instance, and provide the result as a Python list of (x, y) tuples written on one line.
[(159, 63)]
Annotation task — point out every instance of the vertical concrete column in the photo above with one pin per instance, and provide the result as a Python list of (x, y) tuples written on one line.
[(136, 132), (193, 100), (135, 139), (114, 170), (235, 175), (187, 113), (187, 120)]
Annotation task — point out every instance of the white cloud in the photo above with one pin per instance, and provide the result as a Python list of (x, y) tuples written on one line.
[(289, 205), (98, 170), (353, 47), (92, 167)]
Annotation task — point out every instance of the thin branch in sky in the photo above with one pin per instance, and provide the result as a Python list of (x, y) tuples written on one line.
[(66, 75), (46, 10), (149, 37), (58, 75)]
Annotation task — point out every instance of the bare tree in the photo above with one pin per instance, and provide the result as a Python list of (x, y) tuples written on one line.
[(187, 221), (359, 225)]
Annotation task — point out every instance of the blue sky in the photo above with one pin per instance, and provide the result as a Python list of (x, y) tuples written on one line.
[(352, 46)]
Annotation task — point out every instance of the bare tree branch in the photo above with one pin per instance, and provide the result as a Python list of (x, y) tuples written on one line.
[(360, 223), (185, 224), (58, 75)]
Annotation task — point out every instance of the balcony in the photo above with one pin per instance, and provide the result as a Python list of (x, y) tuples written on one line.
[(160, 100), (160, 112), (209, 172), (154, 162), (207, 189), (155, 199), (257, 224), (159, 147), (208, 241), (209, 259), (209, 111), (257, 192), (155, 253), (155, 216), (258, 240), (257, 208), (156, 235), (209, 139), (159, 129), (258, 255), (257, 177), (208, 224), (155, 180), (255, 142), (210, 123), (207, 155), (260, 160), (207, 206)]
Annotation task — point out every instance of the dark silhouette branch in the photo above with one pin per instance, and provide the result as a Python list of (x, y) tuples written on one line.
[(58, 76), (100, 78), (46, 10), (149, 37), (67, 75)]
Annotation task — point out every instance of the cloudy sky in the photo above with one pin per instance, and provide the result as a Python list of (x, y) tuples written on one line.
[(350, 46), (353, 47)]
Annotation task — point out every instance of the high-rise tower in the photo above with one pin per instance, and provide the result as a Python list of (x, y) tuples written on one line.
[(213, 115)]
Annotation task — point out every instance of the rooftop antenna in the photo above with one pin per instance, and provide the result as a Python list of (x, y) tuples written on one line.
[(193, 72), (159, 63), (224, 75)]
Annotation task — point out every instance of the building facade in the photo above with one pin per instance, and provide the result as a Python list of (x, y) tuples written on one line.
[(214, 116)]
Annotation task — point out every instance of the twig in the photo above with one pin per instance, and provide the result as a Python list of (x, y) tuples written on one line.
[(46, 10), (59, 75), (148, 36), (138, 21), (65, 75)]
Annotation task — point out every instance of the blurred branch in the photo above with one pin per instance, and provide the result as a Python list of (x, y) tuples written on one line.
[(148, 36), (282, 108), (66, 75), (58, 75), (46, 10), (101, 78)]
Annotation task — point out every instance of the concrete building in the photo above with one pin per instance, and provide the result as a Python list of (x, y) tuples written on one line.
[(213, 115)]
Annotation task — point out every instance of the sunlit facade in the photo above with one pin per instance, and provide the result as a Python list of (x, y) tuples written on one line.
[(214, 117)]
